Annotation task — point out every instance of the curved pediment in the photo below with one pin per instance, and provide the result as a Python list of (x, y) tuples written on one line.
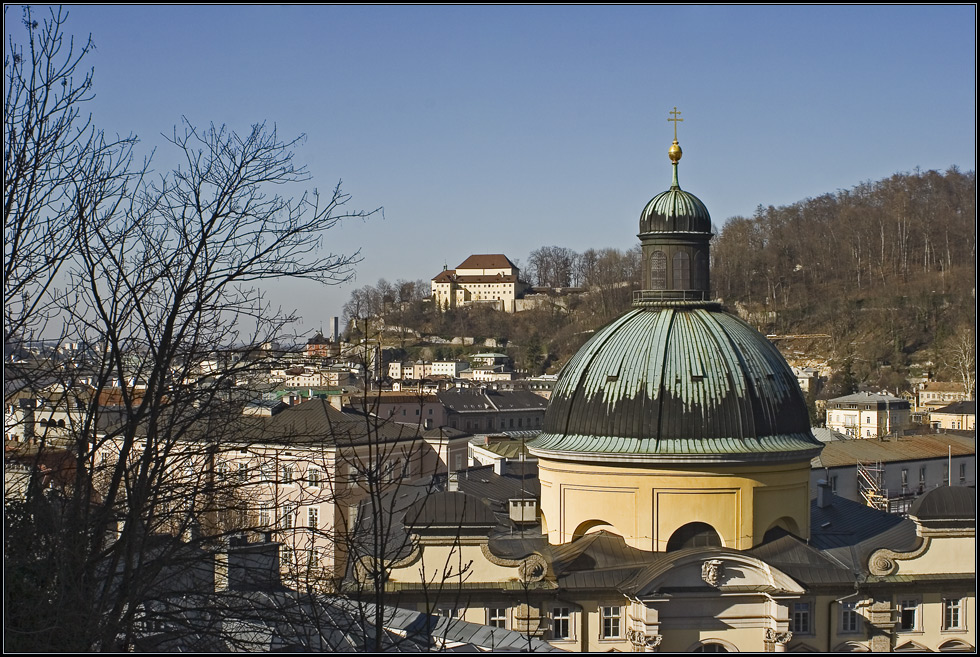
[(711, 568)]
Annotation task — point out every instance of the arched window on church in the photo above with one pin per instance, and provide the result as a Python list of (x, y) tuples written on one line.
[(693, 534), (700, 271), (682, 271), (658, 271)]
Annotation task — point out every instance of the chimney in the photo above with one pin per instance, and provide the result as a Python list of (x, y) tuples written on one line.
[(825, 496), (499, 466), (335, 329), (27, 407)]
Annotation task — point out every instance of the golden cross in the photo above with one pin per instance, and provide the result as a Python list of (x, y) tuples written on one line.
[(675, 120)]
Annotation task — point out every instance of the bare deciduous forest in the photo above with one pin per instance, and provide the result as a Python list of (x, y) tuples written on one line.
[(887, 270)]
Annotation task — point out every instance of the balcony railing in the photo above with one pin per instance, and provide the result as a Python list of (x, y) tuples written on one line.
[(654, 296)]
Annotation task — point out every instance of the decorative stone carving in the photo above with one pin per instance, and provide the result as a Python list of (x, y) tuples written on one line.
[(533, 568), (882, 562), (642, 642), (527, 619), (776, 641), (494, 559), (711, 572)]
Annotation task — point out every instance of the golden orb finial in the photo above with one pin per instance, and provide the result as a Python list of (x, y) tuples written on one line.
[(675, 151)]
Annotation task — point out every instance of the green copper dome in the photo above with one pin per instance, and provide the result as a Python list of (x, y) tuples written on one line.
[(675, 211), (677, 379), (669, 384)]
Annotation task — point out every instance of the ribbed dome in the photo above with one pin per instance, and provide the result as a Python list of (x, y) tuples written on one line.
[(668, 384), (675, 211)]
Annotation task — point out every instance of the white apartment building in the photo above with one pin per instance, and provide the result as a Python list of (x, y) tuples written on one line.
[(302, 473), (868, 415)]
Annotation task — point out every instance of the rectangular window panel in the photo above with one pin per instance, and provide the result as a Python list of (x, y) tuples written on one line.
[(952, 616), (801, 618), (313, 517), (497, 617), (908, 614), (848, 617), (560, 623), (611, 617)]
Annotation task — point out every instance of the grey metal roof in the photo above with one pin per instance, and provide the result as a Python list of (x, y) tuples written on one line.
[(849, 531), (845, 453), (483, 401), (670, 381), (958, 408), (946, 503), (453, 509), (866, 398)]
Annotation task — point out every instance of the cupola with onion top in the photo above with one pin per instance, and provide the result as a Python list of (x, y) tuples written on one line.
[(677, 424), (675, 230)]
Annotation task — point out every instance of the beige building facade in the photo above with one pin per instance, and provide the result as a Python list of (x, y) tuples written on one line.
[(868, 415), (490, 279)]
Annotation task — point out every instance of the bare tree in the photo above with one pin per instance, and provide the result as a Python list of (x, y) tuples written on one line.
[(165, 292), (59, 170)]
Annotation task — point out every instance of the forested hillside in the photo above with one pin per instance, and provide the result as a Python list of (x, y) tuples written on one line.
[(886, 270)]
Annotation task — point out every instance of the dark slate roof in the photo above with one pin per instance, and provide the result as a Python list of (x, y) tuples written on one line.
[(316, 421), (293, 622), (518, 482), (849, 532), (598, 551), (946, 503), (807, 565), (675, 382), (958, 408), (452, 509), (486, 401), (846, 522)]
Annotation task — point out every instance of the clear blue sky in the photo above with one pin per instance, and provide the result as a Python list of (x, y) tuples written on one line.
[(502, 129)]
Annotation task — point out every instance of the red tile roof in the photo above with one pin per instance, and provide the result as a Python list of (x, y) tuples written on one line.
[(487, 261)]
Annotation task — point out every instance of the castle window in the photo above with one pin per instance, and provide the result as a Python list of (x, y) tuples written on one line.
[(658, 270), (682, 271)]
